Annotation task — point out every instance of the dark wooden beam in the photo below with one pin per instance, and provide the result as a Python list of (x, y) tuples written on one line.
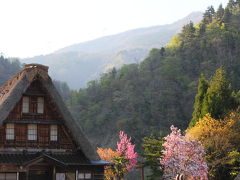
[(31, 121)]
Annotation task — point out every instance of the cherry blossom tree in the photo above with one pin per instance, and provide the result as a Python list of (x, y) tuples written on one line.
[(124, 158), (183, 156), (126, 148)]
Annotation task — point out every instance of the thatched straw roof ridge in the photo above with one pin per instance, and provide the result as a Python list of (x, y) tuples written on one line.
[(7, 86), (12, 91)]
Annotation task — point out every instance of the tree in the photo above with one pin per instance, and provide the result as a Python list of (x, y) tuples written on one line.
[(219, 138), (183, 156), (120, 167), (218, 98), (220, 13), (234, 162), (188, 32), (226, 16), (231, 5), (202, 89), (208, 15), (124, 158), (111, 156), (147, 98), (126, 148), (152, 152)]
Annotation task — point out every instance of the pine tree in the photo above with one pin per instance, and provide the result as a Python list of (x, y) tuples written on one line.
[(227, 16), (202, 29), (208, 15), (188, 31), (231, 5), (218, 99), (202, 89), (220, 13), (152, 151)]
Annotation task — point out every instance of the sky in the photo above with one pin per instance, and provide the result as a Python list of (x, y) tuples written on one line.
[(35, 27)]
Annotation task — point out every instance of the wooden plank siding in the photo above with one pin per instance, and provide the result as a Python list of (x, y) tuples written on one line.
[(43, 121)]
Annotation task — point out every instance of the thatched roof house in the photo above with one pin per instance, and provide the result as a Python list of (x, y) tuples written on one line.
[(39, 138)]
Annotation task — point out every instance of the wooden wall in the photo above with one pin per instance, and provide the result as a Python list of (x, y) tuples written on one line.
[(43, 121)]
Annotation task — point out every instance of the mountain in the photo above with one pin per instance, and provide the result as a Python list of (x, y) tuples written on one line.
[(80, 63), (148, 97), (8, 68)]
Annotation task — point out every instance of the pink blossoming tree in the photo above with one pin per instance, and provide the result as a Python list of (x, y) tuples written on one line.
[(182, 156), (126, 148)]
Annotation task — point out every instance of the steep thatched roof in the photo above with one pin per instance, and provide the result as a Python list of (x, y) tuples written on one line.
[(12, 91)]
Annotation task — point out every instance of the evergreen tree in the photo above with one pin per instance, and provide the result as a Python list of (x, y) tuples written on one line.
[(202, 89), (148, 97), (208, 15), (218, 99), (231, 5), (188, 32), (227, 15), (202, 28), (220, 13), (152, 151)]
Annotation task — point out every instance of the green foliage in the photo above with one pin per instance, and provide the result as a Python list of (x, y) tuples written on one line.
[(175, 42), (198, 105), (220, 12), (8, 68), (215, 97), (152, 152), (234, 162), (219, 138), (218, 99), (149, 97), (208, 15), (120, 167)]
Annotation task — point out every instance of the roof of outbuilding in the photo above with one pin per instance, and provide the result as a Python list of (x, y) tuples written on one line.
[(12, 91)]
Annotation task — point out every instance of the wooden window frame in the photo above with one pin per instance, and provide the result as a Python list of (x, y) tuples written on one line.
[(25, 104), (84, 174), (40, 105), (60, 174), (10, 132), (5, 174), (53, 133), (33, 132)]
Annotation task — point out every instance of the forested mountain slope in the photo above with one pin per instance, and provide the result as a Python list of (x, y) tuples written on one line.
[(11, 66), (8, 68), (89, 59), (149, 97)]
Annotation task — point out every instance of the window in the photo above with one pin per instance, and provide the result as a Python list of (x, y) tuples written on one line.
[(10, 131), (25, 104), (82, 176), (60, 176), (66, 176), (70, 176), (40, 105), (8, 176), (53, 133), (32, 132)]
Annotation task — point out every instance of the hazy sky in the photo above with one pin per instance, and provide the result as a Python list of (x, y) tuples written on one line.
[(34, 27)]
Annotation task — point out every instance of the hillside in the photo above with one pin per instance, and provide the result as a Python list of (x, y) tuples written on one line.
[(11, 66), (8, 68), (148, 97), (88, 60)]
